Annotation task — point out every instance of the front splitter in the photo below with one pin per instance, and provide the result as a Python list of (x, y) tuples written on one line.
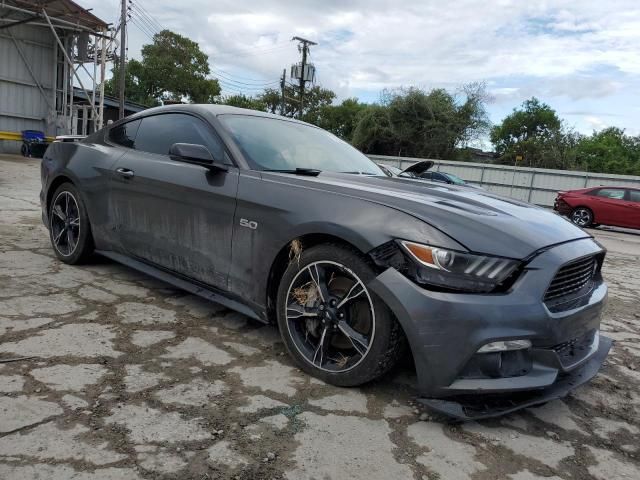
[(480, 406)]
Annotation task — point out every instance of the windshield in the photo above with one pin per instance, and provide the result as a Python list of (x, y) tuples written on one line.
[(272, 144), (454, 179)]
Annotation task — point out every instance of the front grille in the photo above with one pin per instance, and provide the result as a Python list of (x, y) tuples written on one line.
[(572, 279)]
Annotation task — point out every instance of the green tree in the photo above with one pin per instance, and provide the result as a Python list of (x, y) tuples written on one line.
[(533, 132), (172, 68), (415, 123), (340, 119), (135, 89), (243, 101), (315, 98), (610, 151)]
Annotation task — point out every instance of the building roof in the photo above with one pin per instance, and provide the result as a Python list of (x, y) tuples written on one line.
[(110, 101), (63, 10)]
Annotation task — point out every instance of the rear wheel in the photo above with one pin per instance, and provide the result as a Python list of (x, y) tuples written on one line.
[(582, 217), (332, 324), (69, 226)]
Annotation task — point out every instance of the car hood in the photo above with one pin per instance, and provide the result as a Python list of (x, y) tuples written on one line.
[(481, 221)]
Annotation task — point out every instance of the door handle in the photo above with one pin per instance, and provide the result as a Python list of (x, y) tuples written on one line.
[(125, 172)]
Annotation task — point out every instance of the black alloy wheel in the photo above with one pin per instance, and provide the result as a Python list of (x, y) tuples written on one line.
[(69, 226), (332, 324), (330, 316), (65, 223)]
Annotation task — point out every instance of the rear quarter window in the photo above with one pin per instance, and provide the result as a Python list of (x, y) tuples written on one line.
[(125, 134)]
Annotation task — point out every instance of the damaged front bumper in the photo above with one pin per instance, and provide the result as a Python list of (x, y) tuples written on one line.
[(446, 331), (476, 407)]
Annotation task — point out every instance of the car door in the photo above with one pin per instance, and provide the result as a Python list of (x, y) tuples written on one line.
[(172, 214), (609, 206), (632, 204)]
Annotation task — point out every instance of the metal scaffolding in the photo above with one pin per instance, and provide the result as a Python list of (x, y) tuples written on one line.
[(81, 50)]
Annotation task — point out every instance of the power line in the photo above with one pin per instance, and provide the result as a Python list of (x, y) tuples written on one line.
[(140, 25), (232, 80), (234, 91), (234, 76), (241, 87), (145, 28), (150, 28), (150, 25), (143, 12), (141, 28), (147, 14)]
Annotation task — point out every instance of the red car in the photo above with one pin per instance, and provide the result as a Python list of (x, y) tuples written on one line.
[(590, 207)]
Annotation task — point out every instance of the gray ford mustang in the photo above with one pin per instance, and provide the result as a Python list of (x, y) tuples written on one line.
[(498, 302)]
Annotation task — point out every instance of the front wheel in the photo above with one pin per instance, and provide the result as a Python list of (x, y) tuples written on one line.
[(331, 323), (582, 217)]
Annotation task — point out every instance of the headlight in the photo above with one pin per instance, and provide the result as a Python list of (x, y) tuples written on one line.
[(451, 270)]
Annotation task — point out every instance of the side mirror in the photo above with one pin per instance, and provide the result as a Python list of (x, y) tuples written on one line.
[(196, 155)]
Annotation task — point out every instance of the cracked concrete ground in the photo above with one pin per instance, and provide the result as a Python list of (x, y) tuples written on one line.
[(132, 379)]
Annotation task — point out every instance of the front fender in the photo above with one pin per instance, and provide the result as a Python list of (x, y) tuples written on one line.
[(283, 211)]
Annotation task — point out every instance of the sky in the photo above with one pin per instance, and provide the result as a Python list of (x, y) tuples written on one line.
[(580, 57)]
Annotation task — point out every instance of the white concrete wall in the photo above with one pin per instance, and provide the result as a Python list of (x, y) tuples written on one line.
[(535, 185)]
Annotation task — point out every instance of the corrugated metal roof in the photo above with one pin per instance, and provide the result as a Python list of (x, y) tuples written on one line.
[(62, 10), (110, 101)]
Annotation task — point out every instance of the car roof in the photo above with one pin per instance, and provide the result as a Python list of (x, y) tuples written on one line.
[(626, 187), (207, 110)]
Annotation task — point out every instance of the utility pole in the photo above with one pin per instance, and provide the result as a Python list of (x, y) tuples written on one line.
[(282, 85), (304, 48), (123, 50), (103, 63)]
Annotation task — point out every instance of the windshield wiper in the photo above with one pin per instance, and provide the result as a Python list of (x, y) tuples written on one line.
[(309, 172), (359, 173)]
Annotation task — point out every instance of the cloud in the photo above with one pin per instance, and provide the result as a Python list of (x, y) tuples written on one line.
[(596, 123), (565, 49)]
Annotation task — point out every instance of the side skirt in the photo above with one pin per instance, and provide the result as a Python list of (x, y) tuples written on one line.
[(184, 284)]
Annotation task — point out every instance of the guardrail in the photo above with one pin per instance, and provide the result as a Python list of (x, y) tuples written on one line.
[(534, 185)]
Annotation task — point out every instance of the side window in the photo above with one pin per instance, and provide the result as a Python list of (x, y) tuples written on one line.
[(125, 134), (158, 132), (613, 193), (438, 177), (634, 195)]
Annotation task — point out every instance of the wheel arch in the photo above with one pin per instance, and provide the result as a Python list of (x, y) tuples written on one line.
[(53, 186), (281, 261)]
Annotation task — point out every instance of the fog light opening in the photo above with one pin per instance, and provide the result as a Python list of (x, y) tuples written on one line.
[(505, 346)]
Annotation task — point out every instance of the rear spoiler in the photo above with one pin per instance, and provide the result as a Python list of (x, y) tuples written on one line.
[(69, 138), (417, 168)]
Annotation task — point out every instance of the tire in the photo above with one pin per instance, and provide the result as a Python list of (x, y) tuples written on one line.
[(364, 338), (69, 227), (582, 217)]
